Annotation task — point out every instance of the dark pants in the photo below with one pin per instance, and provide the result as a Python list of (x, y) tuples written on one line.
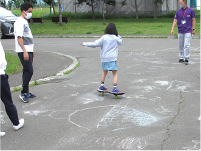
[(7, 100), (27, 71)]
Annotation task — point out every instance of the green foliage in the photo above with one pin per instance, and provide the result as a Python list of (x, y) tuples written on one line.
[(197, 13), (32, 1), (48, 2)]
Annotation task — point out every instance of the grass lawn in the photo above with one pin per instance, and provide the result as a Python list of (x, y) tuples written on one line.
[(37, 12), (147, 26), (13, 64)]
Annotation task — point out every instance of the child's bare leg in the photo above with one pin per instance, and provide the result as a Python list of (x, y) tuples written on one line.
[(104, 75), (115, 77)]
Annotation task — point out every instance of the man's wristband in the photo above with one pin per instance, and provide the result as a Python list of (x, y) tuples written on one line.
[(193, 29)]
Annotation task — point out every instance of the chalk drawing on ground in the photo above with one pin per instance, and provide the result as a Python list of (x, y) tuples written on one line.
[(195, 145), (111, 142), (117, 117), (174, 85), (162, 110), (124, 116), (57, 115), (90, 98), (1, 117)]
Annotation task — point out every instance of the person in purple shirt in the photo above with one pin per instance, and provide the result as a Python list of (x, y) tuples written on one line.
[(185, 20)]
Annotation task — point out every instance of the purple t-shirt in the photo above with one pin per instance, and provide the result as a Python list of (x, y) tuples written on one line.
[(187, 15)]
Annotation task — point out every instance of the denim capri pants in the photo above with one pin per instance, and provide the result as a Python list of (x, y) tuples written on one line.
[(109, 65)]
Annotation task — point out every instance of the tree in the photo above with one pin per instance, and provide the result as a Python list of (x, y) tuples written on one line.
[(155, 7), (31, 1), (75, 11), (51, 4), (3, 3), (16, 2), (10, 4), (60, 13), (103, 2), (136, 9)]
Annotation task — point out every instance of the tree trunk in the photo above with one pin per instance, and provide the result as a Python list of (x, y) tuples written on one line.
[(167, 6), (60, 13), (136, 8), (75, 11), (103, 12), (155, 10), (31, 20), (4, 4), (50, 10), (53, 7), (10, 4), (92, 6)]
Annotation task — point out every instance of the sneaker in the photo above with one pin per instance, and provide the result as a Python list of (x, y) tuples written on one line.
[(30, 95), (102, 88), (2, 134), (19, 125), (181, 60), (186, 61), (116, 90), (24, 97)]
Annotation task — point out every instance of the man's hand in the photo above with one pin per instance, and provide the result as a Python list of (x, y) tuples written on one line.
[(172, 32), (192, 32), (26, 56), (33, 54)]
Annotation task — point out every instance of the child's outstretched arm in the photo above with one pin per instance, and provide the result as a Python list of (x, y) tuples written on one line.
[(97, 43)]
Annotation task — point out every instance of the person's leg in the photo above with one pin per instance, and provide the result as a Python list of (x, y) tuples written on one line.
[(7, 100), (187, 45), (103, 80), (115, 77), (105, 72), (181, 46), (27, 71)]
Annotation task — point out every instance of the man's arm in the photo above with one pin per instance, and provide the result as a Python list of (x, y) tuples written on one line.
[(173, 26), (193, 26), (25, 53)]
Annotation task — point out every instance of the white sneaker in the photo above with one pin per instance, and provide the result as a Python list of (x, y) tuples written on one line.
[(19, 125), (2, 134)]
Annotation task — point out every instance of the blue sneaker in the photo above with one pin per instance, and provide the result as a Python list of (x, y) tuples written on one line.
[(115, 90), (102, 88), (24, 97), (30, 95)]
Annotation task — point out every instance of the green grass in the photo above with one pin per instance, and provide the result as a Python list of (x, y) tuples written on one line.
[(129, 26), (36, 12), (67, 72), (13, 64)]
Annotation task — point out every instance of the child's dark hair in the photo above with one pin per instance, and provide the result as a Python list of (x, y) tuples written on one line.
[(25, 6), (111, 29)]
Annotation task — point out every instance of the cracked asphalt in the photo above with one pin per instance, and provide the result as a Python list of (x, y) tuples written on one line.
[(159, 111)]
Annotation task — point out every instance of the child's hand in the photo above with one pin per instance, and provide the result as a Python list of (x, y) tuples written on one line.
[(81, 43)]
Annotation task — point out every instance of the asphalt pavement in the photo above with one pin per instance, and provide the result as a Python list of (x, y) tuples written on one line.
[(159, 111)]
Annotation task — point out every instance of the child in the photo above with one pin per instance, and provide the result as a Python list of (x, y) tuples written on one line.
[(109, 51)]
